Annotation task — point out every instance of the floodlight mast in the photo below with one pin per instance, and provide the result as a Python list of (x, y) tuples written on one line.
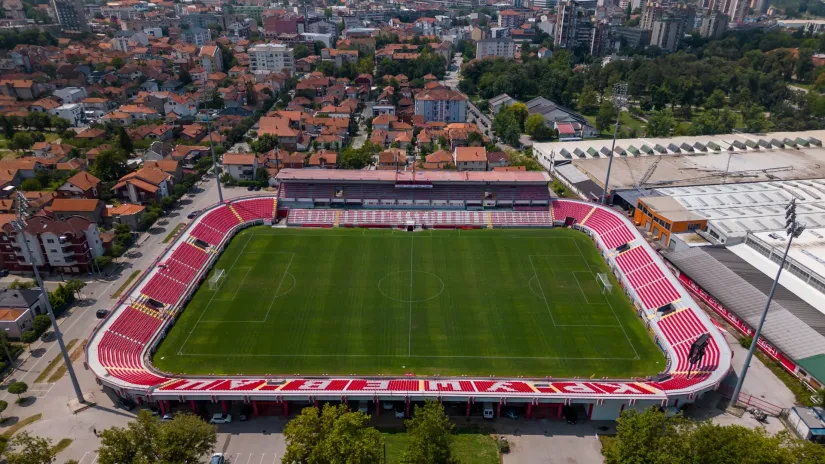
[(793, 229), (620, 100), (19, 226)]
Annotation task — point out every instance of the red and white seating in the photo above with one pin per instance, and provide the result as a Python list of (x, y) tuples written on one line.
[(135, 325), (250, 210), (190, 255), (177, 270), (574, 209), (540, 218), (163, 289), (221, 219), (612, 230), (394, 218), (311, 217), (207, 234)]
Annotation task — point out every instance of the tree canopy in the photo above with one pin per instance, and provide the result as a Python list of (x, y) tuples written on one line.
[(651, 437), (332, 435), (430, 434), (186, 438)]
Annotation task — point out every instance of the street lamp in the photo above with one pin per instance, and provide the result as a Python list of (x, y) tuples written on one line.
[(19, 225), (793, 229), (620, 100), (212, 148)]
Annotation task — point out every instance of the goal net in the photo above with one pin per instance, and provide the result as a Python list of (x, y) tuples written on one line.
[(604, 283), (216, 279)]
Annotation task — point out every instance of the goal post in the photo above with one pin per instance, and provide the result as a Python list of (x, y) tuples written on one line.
[(604, 283), (216, 279)]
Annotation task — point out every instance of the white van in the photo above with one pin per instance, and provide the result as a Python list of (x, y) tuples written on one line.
[(488, 411)]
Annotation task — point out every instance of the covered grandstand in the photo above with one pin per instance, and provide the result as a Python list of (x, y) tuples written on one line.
[(120, 348), (308, 188)]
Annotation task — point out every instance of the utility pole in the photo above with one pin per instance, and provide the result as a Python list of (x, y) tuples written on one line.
[(793, 229), (212, 148), (19, 225), (620, 100)]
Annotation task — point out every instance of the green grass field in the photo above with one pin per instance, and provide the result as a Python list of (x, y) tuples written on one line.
[(507, 302)]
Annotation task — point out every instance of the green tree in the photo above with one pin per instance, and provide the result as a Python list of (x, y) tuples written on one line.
[(264, 143), (507, 127), (329, 436), (660, 123), (31, 185), (474, 139), (607, 116), (520, 112), (18, 388), (3, 406), (300, 51), (430, 435), (28, 337), (537, 128), (186, 438), (28, 449), (110, 165), (588, 101), (716, 100), (21, 141), (41, 323), (124, 142)]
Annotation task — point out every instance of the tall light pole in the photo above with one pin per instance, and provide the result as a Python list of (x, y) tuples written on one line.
[(793, 229), (212, 148), (620, 100), (19, 225)]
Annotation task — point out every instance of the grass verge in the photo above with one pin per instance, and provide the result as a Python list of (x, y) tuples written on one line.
[(468, 446), (20, 424), (57, 359), (61, 370), (174, 232), (60, 446), (126, 284)]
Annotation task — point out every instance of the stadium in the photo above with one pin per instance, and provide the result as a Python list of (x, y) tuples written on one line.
[(377, 286)]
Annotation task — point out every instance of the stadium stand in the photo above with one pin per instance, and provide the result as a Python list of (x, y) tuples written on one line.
[(120, 342)]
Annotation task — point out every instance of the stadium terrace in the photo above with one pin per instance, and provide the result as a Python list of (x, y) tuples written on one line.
[(121, 348)]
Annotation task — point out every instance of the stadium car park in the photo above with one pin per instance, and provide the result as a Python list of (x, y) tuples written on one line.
[(522, 317)]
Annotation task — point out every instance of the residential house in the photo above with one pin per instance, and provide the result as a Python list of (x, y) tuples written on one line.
[(91, 209), (470, 158), (496, 159), (144, 186), (20, 306), (126, 213), (80, 185), (241, 166), (324, 159), (210, 59), (169, 166)]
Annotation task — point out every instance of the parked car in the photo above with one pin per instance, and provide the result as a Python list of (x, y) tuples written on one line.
[(4, 272), (193, 214), (220, 419), (250, 188), (488, 412), (125, 403), (257, 188), (102, 313), (399, 413), (217, 458), (511, 413), (387, 405), (364, 407), (167, 417)]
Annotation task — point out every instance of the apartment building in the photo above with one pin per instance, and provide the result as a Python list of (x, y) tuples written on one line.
[(504, 48), (441, 105), (270, 57), (64, 247)]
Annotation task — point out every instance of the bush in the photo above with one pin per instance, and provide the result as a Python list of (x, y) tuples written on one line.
[(503, 445), (103, 261), (746, 341), (41, 323)]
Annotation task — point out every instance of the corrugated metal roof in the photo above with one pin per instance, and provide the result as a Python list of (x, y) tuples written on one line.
[(745, 297)]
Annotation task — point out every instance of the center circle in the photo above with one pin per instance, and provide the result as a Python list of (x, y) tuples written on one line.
[(411, 286)]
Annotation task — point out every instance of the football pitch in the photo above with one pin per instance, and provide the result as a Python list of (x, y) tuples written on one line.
[(505, 302)]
